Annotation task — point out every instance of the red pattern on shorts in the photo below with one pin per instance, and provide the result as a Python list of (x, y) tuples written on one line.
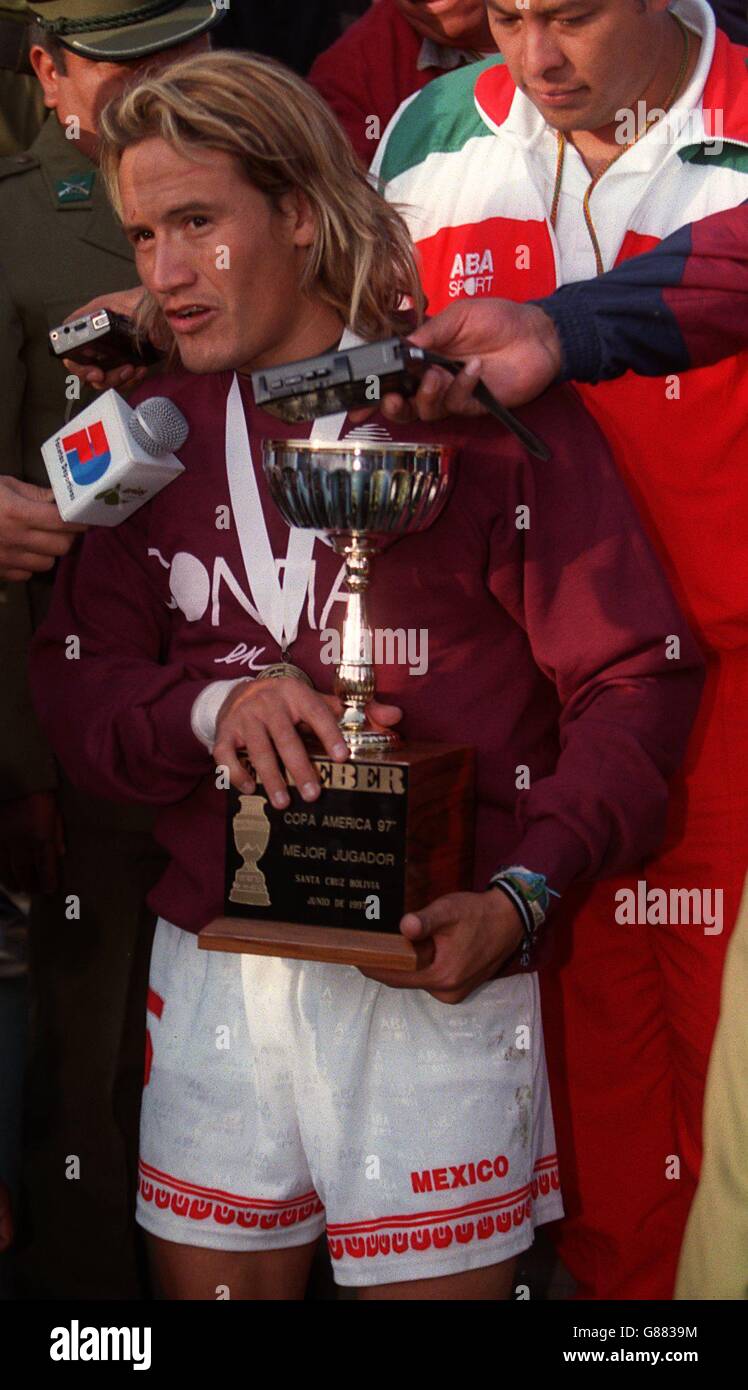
[(197, 1203), (436, 1230), (154, 1005)]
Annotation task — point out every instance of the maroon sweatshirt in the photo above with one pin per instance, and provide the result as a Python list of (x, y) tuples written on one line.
[(369, 72), (547, 645)]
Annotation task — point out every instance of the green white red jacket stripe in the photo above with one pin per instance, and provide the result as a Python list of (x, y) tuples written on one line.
[(459, 171), (456, 165)]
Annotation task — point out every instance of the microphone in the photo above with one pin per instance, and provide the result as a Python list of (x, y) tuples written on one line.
[(110, 460), (158, 426)]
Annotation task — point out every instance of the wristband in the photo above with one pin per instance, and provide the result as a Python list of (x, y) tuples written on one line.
[(531, 896), (525, 917)]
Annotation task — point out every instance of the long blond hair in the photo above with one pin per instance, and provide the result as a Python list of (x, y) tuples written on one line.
[(285, 138)]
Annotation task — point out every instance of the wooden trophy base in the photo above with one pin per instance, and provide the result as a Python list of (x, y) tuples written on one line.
[(394, 829), (335, 945)]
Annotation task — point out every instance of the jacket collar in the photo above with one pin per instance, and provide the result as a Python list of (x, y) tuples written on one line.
[(59, 157), (726, 88), (440, 55)]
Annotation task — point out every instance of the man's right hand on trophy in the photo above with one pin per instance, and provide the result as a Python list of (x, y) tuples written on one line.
[(264, 718)]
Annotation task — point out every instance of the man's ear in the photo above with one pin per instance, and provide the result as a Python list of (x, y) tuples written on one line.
[(46, 72), (302, 222)]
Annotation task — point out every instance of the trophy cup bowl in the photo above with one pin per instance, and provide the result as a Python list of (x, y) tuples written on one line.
[(363, 495), (364, 488)]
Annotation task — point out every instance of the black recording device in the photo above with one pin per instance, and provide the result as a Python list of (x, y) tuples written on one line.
[(103, 339), (342, 380)]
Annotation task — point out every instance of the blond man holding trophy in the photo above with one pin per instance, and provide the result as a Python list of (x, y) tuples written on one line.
[(405, 1111)]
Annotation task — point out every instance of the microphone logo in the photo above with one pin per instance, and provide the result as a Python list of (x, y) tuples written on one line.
[(88, 454)]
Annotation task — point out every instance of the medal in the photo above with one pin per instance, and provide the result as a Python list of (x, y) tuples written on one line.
[(281, 669)]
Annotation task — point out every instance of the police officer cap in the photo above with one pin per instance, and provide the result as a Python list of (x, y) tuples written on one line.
[(118, 30)]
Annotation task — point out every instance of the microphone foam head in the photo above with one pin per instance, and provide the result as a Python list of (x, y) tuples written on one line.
[(158, 426)]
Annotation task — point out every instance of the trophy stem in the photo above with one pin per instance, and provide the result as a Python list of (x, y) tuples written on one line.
[(354, 678)]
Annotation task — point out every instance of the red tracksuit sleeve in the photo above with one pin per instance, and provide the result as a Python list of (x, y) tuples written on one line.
[(369, 72), (117, 719), (341, 78), (604, 627)]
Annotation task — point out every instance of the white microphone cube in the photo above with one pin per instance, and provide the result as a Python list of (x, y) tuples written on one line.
[(98, 472)]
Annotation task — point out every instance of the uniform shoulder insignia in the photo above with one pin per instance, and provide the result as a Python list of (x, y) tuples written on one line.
[(76, 188), (11, 164)]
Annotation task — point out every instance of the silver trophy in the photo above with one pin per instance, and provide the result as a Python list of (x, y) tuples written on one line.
[(362, 495)]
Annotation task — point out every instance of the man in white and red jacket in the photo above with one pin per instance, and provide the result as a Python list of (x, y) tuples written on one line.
[(596, 135), (555, 648)]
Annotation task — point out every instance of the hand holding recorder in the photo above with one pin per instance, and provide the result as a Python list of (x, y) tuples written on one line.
[(347, 378), (99, 344)]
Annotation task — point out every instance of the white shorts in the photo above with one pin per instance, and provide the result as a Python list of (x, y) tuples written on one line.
[(283, 1098)]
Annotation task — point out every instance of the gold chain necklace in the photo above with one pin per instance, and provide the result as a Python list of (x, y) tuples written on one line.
[(561, 143)]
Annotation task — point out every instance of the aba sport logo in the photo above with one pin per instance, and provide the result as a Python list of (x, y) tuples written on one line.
[(471, 274), (87, 453)]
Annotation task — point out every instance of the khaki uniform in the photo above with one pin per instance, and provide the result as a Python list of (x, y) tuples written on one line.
[(22, 108), (60, 245)]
